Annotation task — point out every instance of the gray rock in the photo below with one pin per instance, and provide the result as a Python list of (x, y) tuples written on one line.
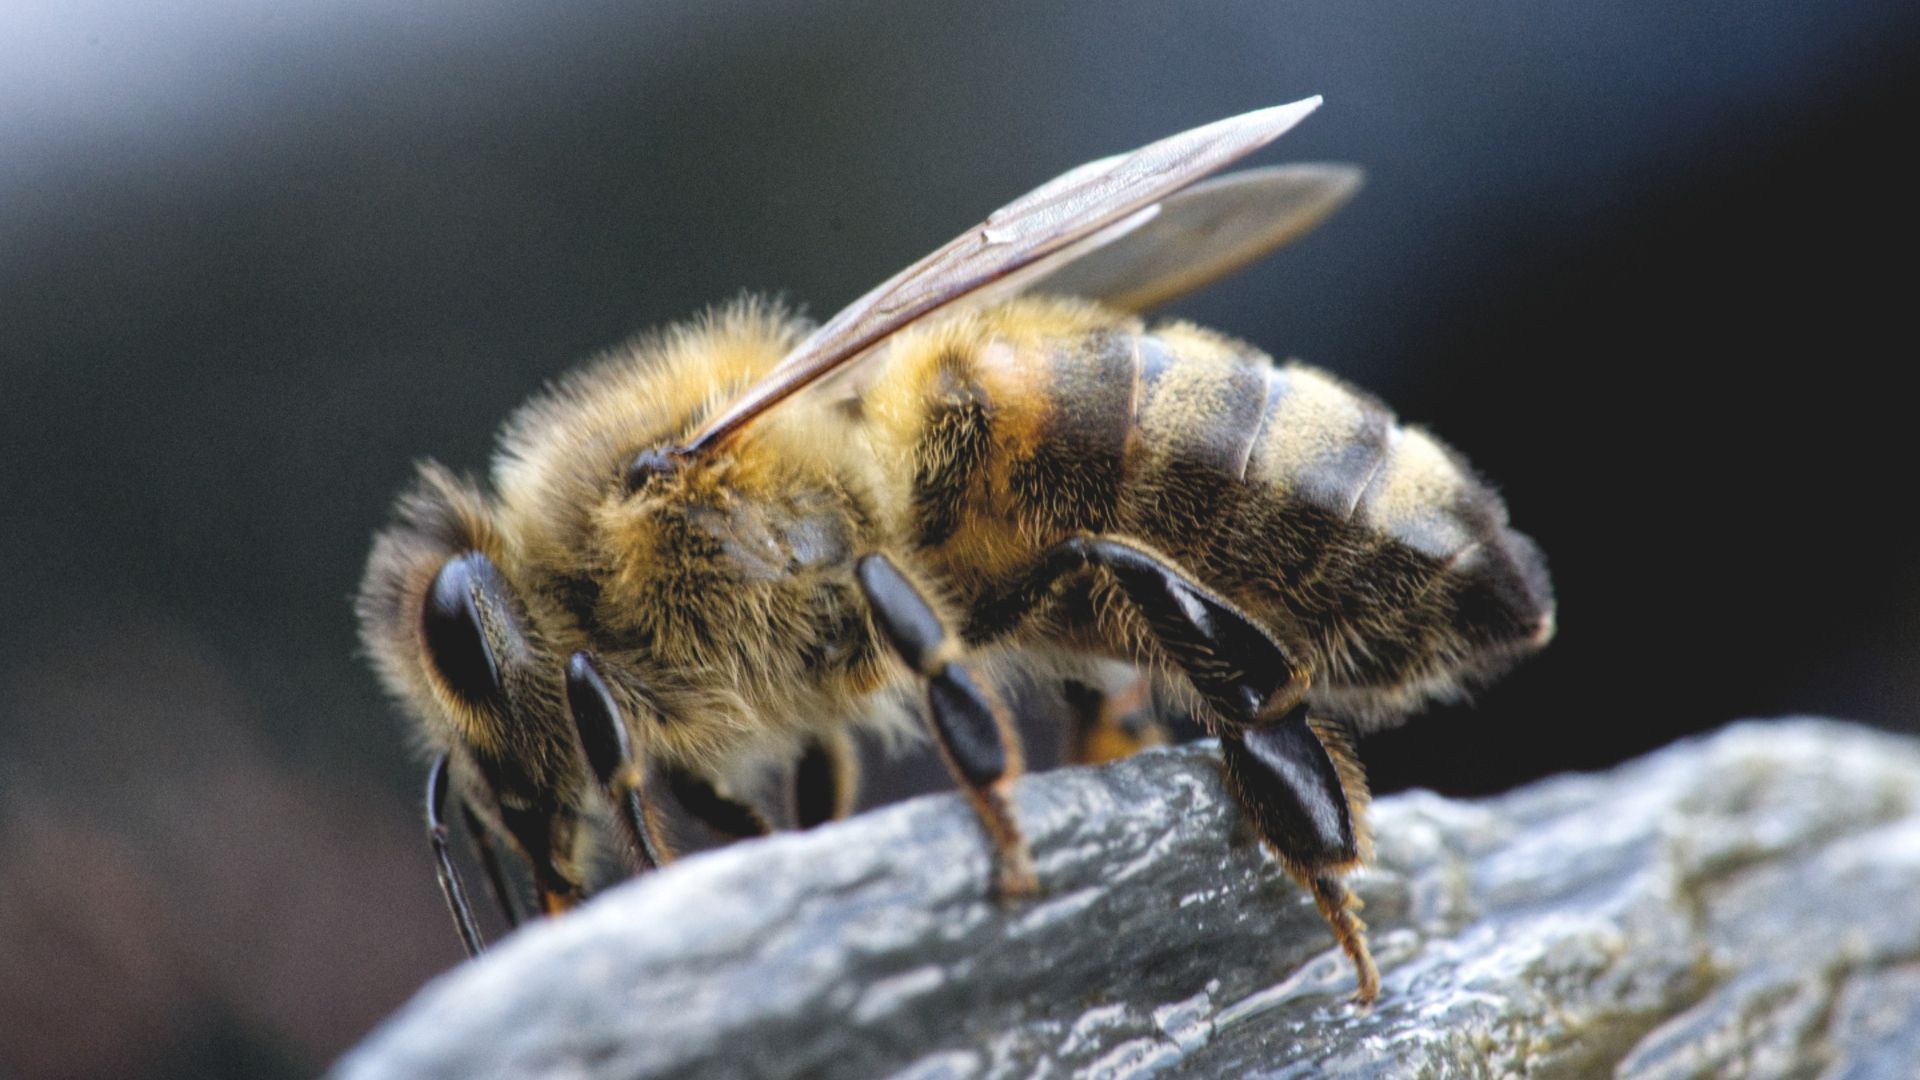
[(1743, 904)]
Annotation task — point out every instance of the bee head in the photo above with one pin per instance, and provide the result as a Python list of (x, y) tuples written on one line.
[(457, 645)]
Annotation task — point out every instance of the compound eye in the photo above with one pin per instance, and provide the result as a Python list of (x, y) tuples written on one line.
[(455, 628), (646, 465)]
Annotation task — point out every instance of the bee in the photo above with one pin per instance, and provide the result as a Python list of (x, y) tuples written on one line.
[(731, 546)]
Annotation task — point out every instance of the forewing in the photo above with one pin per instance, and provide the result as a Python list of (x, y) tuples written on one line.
[(1201, 235), (1116, 191)]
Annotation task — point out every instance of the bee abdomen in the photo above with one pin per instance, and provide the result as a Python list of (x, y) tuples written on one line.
[(1371, 544), (1417, 566), (1164, 434)]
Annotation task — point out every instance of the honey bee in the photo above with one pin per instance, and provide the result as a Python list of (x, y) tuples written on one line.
[(687, 571)]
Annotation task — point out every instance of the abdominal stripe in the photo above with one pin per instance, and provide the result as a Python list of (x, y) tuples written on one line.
[(1074, 471)]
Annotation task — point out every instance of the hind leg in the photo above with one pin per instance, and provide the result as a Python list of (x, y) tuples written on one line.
[(1296, 777), (1299, 781)]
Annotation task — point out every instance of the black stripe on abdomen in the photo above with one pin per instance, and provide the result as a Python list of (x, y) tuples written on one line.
[(1071, 476)]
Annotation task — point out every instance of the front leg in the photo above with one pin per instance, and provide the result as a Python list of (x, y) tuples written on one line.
[(605, 738), (980, 747), (452, 887)]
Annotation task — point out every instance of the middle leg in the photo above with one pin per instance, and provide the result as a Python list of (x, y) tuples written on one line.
[(980, 747), (826, 780), (1107, 723), (724, 814)]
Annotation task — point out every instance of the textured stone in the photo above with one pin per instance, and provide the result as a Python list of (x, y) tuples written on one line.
[(1743, 904)]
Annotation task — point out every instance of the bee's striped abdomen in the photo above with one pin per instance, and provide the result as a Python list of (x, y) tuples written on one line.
[(1365, 545)]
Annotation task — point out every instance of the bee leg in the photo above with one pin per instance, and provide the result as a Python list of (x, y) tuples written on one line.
[(451, 887), (1297, 779), (980, 747), (826, 780), (476, 640), (546, 837), (727, 816), (609, 750), (490, 862), (1107, 725)]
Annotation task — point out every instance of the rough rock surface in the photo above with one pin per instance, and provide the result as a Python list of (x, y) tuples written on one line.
[(1743, 904)]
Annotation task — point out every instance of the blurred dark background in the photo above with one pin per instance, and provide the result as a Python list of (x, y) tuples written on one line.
[(1648, 265)]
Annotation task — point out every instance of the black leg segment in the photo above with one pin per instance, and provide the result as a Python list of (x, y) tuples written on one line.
[(1233, 663), (604, 737), (974, 737), (964, 720), (1301, 784), (825, 780), (1290, 786), (727, 816), (911, 626)]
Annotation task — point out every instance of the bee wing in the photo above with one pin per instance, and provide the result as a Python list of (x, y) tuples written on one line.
[(1201, 235), (1077, 212)]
